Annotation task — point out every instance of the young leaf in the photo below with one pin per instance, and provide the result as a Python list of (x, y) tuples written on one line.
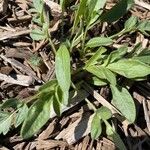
[(94, 10), (130, 68), (99, 41), (62, 68), (96, 56), (21, 115), (96, 127), (104, 113), (5, 122), (117, 11), (114, 136), (102, 73), (79, 14), (131, 23), (37, 35), (38, 115), (124, 102)]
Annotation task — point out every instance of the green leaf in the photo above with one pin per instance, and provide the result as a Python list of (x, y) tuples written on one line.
[(144, 57), (79, 14), (124, 102), (99, 41), (96, 128), (130, 68), (58, 98), (38, 115), (95, 9), (116, 55), (102, 73), (131, 23), (49, 86), (38, 5), (104, 113), (98, 82), (62, 68), (117, 11), (144, 25), (96, 56), (114, 136), (12, 102), (5, 122), (21, 115), (37, 35)]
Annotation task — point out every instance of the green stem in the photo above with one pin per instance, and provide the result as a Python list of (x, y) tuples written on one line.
[(90, 104), (51, 44)]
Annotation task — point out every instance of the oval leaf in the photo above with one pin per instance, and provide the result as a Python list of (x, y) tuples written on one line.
[(130, 68), (124, 102), (62, 68)]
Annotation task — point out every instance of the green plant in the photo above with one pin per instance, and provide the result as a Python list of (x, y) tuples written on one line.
[(102, 65)]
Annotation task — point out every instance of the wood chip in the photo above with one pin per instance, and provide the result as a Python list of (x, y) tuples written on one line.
[(74, 132), (17, 79)]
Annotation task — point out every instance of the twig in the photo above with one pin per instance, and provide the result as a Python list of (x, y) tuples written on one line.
[(142, 4)]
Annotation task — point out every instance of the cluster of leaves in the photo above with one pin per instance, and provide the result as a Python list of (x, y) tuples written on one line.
[(104, 68)]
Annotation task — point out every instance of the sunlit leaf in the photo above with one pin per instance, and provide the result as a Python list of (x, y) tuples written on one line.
[(99, 41), (104, 113), (96, 127), (5, 122), (62, 68), (130, 68)]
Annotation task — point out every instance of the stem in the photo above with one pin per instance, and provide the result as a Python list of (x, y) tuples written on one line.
[(51, 44), (118, 34), (90, 104)]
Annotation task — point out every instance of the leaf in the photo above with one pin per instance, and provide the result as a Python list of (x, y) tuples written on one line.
[(95, 9), (5, 122), (131, 23), (49, 86), (116, 55), (38, 115), (96, 56), (99, 41), (98, 82), (144, 57), (102, 73), (12, 102), (124, 102), (144, 25), (104, 113), (62, 68), (79, 14), (96, 128), (37, 35), (38, 5), (21, 115), (58, 98), (117, 11), (130, 68), (114, 136)]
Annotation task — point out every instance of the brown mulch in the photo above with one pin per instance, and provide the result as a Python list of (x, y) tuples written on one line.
[(71, 130)]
